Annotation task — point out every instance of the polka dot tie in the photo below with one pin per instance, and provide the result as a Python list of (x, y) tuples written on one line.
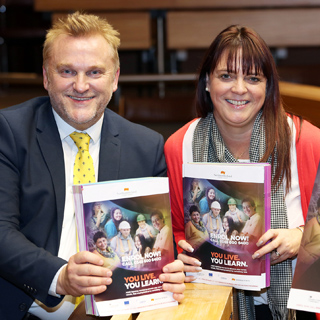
[(83, 170)]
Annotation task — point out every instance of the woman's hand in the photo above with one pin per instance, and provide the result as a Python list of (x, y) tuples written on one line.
[(190, 264), (284, 244)]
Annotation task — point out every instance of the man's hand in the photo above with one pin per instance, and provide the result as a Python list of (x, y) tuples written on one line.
[(190, 264), (173, 278), (83, 274)]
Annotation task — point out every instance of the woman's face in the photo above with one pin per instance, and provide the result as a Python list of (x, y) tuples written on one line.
[(195, 216), (117, 214), (237, 97), (225, 224), (232, 207), (97, 207), (195, 183), (211, 194), (137, 242), (102, 244)]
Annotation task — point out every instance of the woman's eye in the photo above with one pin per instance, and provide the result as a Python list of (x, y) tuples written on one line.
[(225, 76)]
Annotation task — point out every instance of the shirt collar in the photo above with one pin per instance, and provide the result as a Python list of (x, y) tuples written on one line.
[(65, 129)]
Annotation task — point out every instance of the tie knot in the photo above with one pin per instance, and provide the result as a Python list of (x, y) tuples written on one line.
[(81, 140)]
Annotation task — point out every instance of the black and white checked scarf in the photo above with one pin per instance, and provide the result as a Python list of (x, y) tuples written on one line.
[(208, 146)]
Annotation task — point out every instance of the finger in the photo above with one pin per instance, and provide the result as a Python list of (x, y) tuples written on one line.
[(178, 296), (187, 260), (271, 246), (189, 279), (192, 269), (86, 257), (183, 244), (267, 236), (90, 281), (175, 266), (177, 277), (176, 288)]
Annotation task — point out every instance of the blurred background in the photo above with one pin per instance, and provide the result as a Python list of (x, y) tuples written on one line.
[(162, 44)]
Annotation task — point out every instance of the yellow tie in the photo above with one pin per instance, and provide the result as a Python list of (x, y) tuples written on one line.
[(83, 170)]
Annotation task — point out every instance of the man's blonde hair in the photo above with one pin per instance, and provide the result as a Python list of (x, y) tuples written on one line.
[(82, 25)]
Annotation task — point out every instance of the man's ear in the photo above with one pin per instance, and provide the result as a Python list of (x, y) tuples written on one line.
[(116, 79), (45, 78)]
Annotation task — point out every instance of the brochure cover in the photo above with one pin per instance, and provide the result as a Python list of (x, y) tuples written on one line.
[(128, 223), (305, 292), (227, 209)]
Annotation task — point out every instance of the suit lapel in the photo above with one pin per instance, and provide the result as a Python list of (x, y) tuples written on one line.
[(51, 148), (109, 157)]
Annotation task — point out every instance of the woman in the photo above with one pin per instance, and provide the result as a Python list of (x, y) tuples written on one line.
[(228, 226), (195, 194), (205, 202), (242, 119), (110, 259), (141, 244), (112, 226), (196, 232)]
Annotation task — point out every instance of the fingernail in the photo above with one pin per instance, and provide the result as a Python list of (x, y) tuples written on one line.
[(256, 255), (259, 243), (165, 269), (190, 249), (197, 262), (198, 268)]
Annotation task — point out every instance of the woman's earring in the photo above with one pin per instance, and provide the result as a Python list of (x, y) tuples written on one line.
[(207, 81)]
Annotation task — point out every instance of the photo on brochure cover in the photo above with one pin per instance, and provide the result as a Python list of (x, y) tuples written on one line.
[(223, 221), (134, 238)]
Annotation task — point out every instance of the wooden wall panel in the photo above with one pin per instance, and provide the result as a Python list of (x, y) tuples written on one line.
[(278, 27), (62, 5), (134, 28)]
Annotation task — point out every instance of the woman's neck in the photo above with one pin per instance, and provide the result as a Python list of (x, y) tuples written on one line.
[(237, 140)]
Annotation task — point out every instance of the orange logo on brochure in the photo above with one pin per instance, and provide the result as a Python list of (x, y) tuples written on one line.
[(126, 189), (223, 172), (233, 279)]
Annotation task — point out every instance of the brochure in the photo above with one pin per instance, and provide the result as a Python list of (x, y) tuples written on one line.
[(227, 209), (305, 292), (128, 223)]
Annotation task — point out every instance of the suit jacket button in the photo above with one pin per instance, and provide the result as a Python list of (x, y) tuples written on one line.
[(23, 307)]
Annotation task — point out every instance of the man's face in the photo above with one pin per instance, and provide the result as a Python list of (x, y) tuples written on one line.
[(102, 244), (142, 224), (157, 222), (125, 232), (215, 211), (248, 209), (80, 78), (232, 207)]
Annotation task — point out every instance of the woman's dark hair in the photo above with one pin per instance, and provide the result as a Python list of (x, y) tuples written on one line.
[(231, 225), (192, 209), (98, 235), (116, 222), (209, 200), (143, 242), (239, 41)]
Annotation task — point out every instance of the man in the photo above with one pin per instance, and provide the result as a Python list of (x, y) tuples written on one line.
[(122, 243), (39, 265), (213, 222)]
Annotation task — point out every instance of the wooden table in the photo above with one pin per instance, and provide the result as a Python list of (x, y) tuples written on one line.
[(201, 302)]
